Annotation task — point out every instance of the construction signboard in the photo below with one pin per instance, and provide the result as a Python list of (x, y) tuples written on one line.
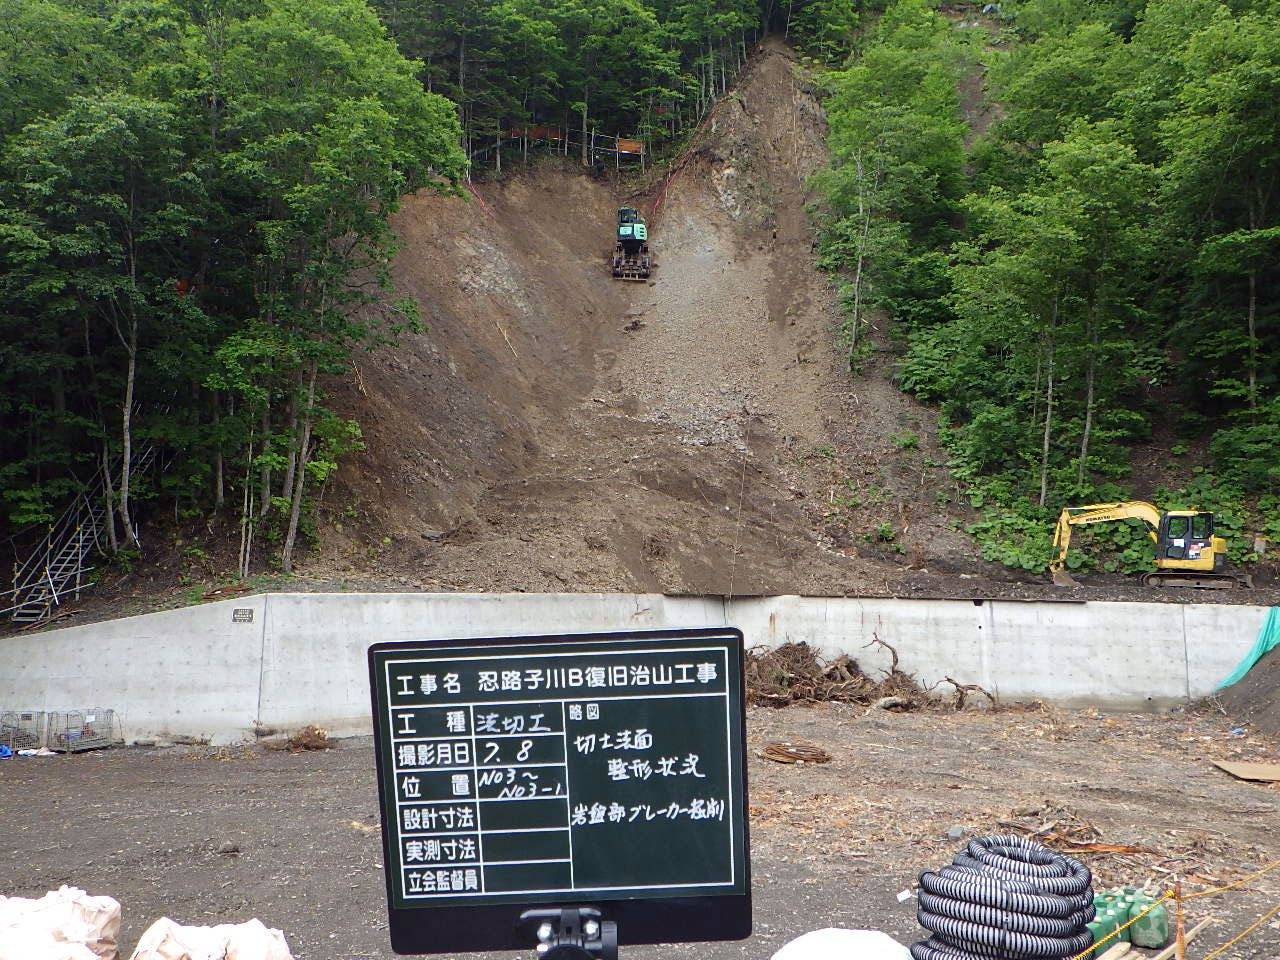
[(589, 769)]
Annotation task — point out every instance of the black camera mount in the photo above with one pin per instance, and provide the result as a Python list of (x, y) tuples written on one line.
[(571, 933)]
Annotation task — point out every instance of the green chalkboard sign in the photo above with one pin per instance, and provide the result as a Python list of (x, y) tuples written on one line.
[(586, 769)]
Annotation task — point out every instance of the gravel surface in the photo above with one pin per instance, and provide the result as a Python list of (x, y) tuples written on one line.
[(215, 836)]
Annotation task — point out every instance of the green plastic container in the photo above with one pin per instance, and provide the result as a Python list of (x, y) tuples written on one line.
[(1119, 915), (1151, 930), (1100, 927)]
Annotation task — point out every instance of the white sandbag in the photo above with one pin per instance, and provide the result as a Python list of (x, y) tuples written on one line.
[(166, 940), (67, 916), (19, 944), (255, 941), (836, 944)]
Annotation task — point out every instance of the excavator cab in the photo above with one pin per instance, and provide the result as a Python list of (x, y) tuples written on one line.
[(1185, 542), (1185, 536)]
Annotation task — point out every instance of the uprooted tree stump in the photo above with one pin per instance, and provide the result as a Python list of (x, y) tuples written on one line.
[(794, 673)]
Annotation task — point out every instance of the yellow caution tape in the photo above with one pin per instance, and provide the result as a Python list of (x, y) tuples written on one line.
[(1252, 876), (1252, 927)]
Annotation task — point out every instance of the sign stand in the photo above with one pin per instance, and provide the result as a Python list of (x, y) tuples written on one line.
[(572, 933)]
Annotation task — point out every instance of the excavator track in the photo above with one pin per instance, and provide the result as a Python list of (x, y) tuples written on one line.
[(1197, 580), (636, 267)]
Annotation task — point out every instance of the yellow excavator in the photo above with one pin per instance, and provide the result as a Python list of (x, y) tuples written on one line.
[(1187, 552)]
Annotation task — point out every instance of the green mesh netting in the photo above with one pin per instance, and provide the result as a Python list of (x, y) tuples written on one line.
[(1268, 638)]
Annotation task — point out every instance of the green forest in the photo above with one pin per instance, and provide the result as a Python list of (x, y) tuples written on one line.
[(194, 208), (195, 199), (1098, 271)]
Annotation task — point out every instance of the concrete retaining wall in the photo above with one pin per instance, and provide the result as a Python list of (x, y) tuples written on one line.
[(214, 670)]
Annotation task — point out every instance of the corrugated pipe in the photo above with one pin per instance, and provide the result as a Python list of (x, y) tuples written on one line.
[(1005, 898)]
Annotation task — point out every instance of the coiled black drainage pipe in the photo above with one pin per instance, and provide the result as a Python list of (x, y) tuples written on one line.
[(1005, 898)]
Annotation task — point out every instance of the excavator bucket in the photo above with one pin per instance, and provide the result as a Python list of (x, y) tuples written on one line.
[(1063, 579)]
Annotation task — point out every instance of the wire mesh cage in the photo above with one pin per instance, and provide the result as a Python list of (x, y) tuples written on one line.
[(74, 730), (21, 730)]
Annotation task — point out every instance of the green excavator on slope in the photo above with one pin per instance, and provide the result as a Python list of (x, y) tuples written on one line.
[(631, 258)]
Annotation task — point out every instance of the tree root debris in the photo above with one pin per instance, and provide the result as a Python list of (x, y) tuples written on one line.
[(310, 737), (795, 753), (794, 673)]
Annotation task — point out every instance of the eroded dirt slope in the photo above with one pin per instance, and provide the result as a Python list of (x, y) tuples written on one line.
[(559, 430)]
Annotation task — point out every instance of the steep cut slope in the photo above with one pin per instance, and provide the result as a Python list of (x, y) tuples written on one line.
[(559, 430), (516, 308)]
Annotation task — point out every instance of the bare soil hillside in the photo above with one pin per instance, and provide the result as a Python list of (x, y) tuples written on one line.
[(559, 430)]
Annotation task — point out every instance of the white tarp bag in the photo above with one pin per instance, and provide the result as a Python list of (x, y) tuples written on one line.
[(166, 940), (836, 944), (64, 924), (19, 944)]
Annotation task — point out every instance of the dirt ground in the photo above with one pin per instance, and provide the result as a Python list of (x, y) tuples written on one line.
[(1255, 698), (213, 836)]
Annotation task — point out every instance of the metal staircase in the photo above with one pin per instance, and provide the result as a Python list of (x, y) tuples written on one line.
[(57, 568)]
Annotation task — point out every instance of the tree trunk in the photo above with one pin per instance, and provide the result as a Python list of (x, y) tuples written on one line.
[(126, 436), (264, 494), (110, 488), (219, 491), (59, 392), (300, 481), (462, 67), (1253, 341), (1035, 390), (286, 488), (1048, 402), (584, 128), (1090, 369), (864, 220), (247, 517)]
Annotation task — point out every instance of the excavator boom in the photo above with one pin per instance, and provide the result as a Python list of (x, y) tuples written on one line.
[(1094, 513)]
